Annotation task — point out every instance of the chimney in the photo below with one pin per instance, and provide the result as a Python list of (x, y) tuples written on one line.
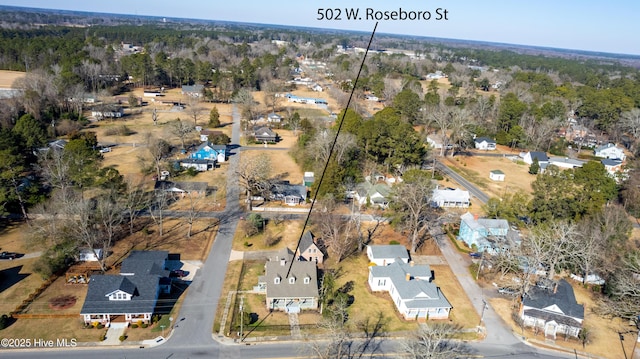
[(411, 263), (408, 277), (555, 288), (475, 217)]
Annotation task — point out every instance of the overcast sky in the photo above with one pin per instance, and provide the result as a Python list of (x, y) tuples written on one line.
[(607, 26)]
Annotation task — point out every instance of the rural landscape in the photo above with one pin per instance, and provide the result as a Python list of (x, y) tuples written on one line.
[(183, 187)]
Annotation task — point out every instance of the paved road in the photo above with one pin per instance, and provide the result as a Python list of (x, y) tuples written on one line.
[(473, 190)]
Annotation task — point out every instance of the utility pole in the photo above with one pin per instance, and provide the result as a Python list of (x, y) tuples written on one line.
[(241, 317)]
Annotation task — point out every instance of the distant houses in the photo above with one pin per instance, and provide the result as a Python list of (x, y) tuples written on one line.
[(193, 90)]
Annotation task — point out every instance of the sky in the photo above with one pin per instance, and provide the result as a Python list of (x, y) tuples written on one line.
[(603, 26)]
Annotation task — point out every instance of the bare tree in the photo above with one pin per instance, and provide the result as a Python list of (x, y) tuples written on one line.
[(335, 230), (556, 242), (158, 149), (110, 215), (182, 130), (624, 289), (158, 206), (630, 122), (253, 175), (411, 203), (135, 199), (194, 109), (321, 145), (433, 340), (192, 211), (271, 91)]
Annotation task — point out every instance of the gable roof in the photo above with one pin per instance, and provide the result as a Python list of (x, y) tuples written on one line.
[(541, 156), (143, 288), (564, 298), (367, 189), (206, 144), (448, 195), (610, 162), (181, 186), (145, 263), (418, 291), (299, 270), (306, 241), (394, 251), (264, 131), (484, 139), (488, 223), (606, 147)]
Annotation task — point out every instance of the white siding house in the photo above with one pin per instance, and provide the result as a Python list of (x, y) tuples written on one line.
[(610, 151), (383, 255)]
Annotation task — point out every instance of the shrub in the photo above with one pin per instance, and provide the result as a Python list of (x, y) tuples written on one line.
[(134, 325), (191, 172), (394, 242), (100, 326), (145, 325), (4, 321), (247, 244), (122, 337), (103, 336), (118, 131)]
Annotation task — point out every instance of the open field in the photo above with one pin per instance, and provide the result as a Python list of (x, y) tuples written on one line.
[(282, 164), (288, 233), (7, 78), (476, 169)]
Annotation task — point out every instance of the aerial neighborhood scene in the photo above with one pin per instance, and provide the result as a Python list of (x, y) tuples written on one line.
[(227, 184)]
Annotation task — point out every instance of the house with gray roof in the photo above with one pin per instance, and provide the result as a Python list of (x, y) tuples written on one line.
[(553, 309), (529, 157), (484, 143), (611, 151), (376, 194), (193, 90), (450, 198), (412, 290), (308, 249), (130, 296), (289, 290), (265, 134), (288, 193), (486, 234), (196, 189), (385, 254)]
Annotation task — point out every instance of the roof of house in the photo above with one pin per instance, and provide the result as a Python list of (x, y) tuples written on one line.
[(610, 162), (497, 172), (487, 223), (541, 156), (452, 195), (571, 161), (306, 241), (367, 189), (563, 298), (142, 287), (196, 161), (213, 147), (145, 262), (285, 189), (211, 132), (418, 291), (192, 88), (279, 267), (379, 251), (484, 139), (264, 131), (606, 147)]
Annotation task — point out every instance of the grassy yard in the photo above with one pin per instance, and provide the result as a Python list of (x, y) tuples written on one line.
[(18, 281), (288, 233)]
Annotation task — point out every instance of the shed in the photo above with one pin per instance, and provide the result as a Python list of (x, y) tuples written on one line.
[(496, 175)]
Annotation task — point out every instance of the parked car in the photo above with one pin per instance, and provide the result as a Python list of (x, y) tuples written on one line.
[(507, 291), (475, 255), (8, 255), (179, 273), (105, 149)]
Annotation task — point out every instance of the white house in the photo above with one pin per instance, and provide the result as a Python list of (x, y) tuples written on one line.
[(610, 151), (375, 194), (530, 156), (553, 310), (89, 255), (484, 143), (565, 162), (274, 118), (411, 289), (449, 197), (612, 166), (383, 255), (496, 175)]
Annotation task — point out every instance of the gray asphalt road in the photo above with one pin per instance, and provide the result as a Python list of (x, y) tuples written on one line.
[(473, 190)]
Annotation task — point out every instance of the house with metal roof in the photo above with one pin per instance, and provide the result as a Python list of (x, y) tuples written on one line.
[(290, 285), (450, 198), (383, 255), (412, 290), (487, 234), (553, 309), (130, 296), (208, 151), (374, 194)]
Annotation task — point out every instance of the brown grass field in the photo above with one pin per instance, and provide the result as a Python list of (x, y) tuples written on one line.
[(7, 78)]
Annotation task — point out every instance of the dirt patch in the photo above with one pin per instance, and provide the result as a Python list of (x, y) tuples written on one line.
[(55, 293), (476, 169), (7, 78), (62, 302)]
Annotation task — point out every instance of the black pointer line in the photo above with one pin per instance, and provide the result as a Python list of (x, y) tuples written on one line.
[(333, 145)]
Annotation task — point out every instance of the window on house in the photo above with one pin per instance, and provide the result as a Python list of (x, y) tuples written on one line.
[(382, 281), (276, 280), (307, 280), (292, 280)]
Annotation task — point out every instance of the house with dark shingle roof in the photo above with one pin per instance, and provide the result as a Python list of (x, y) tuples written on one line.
[(289, 290), (553, 310), (196, 189), (130, 296), (308, 248), (485, 143), (412, 290), (542, 158), (265, 134)]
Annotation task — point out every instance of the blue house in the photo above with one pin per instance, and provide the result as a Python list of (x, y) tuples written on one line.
[(490, 235), (207, 151)]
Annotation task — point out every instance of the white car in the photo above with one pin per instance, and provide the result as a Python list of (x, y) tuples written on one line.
[(105, 149)]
